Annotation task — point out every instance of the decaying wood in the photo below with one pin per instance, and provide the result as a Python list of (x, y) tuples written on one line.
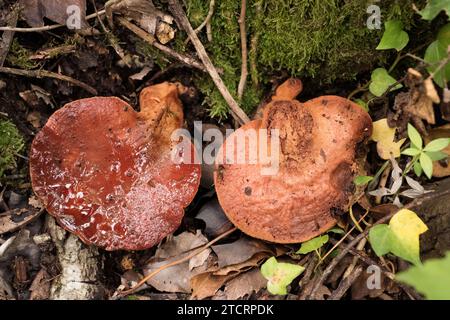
[(80, 267)]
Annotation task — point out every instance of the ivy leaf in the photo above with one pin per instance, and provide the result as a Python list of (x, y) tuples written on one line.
[(417, 168), (279, 275), (336, 230), (384, 136), (362, 104), (380, 239), (313, 244), (437, 144), (400, 237), (432, 279), (393, 37), (414, 136), (362, 180), (381, 81), (433, 8), (427, 164), (435, 53)]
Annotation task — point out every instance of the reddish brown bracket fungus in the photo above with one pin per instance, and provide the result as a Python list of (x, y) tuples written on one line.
[(319, 143), (105, 172)]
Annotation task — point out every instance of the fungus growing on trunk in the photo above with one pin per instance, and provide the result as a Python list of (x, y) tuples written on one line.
[(106, 172), (319, 155)]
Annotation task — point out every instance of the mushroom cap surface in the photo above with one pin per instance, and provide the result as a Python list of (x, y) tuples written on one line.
[(319, 142), (106, 174)]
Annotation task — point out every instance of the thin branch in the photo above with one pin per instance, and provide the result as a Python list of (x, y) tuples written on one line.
[(47, 28), (207, 19), (244, 70), (180, 15), (8, 36), (177, 262), (345, 284), (48, 74), (147, 37)]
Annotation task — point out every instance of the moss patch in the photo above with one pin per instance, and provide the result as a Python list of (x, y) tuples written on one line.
[(11, 143), (322, 40)]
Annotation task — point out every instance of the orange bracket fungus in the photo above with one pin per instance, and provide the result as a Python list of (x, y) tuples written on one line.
[(106, 172), (319, 148)]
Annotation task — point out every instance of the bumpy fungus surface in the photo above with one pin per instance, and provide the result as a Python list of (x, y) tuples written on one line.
[(105, 172), (317, 163)]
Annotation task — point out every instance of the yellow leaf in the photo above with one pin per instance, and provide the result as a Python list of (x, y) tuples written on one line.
[(406, 227), (384, 136)]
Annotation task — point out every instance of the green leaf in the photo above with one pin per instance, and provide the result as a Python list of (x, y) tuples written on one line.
[(435, 53), (400, 237), (433, 8), (393, 37), (362, 104), (411, 152), (336, 230), (437, 145), (381, 81), (279, 275), (417, 169), (380, 239), (436, 156), (444, 35), (313, 244), (361, 180), (414, 136), (432, 279), (427, 164)]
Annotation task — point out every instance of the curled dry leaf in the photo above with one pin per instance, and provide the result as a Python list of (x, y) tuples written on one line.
[(384, 136), (59, 11), (113, 176), (317, 164)]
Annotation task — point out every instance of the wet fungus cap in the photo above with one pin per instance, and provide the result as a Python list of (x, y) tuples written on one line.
[(105, 171), (318, 161)]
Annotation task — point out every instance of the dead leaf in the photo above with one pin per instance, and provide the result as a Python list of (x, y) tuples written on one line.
[(59, 11), (360, 288), (206, 284), (431, 90), (141, 74), (13, 220), (239, 251), (40, 287), (385, 136), (214, 217), (147, 16), (176, 278), (34, 118), (245, 284)]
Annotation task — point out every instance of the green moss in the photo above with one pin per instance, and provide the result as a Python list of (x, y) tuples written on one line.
[(19, 56), (322, 40), (11, 143)]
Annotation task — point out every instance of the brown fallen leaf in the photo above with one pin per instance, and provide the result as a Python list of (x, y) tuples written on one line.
[(13, 220), (40, 287), (215, 219), (239, 251), (244, 284), (176, 278), (59, 11)]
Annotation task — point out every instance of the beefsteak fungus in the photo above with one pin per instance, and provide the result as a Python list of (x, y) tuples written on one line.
[(320, 148), (105, 171)]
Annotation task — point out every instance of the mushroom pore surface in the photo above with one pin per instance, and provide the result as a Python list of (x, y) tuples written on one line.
[(104, 171), (318, 142)]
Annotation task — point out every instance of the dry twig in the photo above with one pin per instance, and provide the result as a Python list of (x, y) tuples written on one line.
[(193, 253), (244, 70), (180, 15), (151, 40), (8, 36), (48, 74)]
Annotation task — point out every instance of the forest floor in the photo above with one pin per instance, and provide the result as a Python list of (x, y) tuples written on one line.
[(106, 61)]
